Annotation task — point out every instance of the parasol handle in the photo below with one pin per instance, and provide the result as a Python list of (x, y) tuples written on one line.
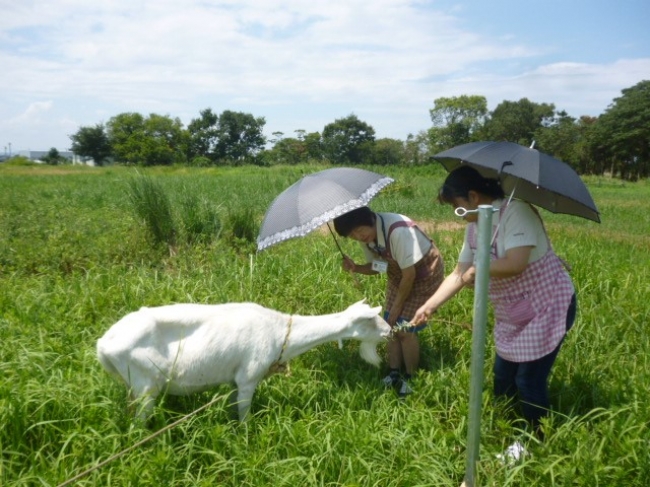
[(335, 241), (356, 281)]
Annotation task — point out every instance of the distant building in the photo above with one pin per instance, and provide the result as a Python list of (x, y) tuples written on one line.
[(39, 155)]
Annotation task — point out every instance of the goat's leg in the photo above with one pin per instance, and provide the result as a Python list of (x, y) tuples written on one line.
[(245, 391), (143, 399), (145, 405)]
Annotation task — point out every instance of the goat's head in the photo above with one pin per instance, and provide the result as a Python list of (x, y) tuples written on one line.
[(367, 325)]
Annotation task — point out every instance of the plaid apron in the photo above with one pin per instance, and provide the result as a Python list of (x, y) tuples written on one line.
[(429, 274), (530, 309)]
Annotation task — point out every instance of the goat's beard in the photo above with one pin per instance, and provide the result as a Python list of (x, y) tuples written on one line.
[(368, 352)]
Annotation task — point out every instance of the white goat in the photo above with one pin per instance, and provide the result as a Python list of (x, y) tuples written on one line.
[(186, 348)]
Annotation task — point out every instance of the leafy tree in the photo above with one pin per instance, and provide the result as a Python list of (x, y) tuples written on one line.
[(294, 150), (417, 149), (387, 152), (239, 136), (588, 162), (202, 135), (163, 140), (348, 140), (53, 157), (126, 136), (287, 151), (517, 121), (155, 140), (621, 135), (568, 139), (277, 137), (582, 160), (560, 138), (455, 120), (313, 146), (92, 142)]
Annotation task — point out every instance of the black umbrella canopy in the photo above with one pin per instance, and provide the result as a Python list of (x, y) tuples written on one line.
[(534, 176), (317, 199)]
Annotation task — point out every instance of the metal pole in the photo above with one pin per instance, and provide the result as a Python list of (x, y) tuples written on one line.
[(481, 284)]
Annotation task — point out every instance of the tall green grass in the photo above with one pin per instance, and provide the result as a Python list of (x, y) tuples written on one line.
[(75, 257), (151, 204)]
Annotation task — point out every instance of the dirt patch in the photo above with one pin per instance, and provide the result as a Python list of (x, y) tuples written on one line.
[(429, 227), (45, 170)]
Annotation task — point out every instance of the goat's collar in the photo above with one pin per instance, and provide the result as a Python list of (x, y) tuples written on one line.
[(279, 365)]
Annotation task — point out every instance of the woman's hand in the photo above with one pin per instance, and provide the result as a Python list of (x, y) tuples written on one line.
[(423, 314)]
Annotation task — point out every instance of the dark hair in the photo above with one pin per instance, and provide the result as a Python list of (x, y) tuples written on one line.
[(464, 179), (361, 217)]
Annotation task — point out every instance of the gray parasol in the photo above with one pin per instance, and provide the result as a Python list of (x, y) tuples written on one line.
[(534, 176), (317, 199)]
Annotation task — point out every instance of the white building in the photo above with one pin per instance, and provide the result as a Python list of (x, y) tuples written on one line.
[(39, 155)]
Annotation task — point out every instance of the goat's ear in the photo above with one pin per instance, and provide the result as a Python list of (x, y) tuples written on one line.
[(363, 310), (368, 312)]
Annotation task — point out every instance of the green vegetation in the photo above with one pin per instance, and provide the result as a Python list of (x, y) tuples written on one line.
[(75, 257), (152, 205), (614, 143)]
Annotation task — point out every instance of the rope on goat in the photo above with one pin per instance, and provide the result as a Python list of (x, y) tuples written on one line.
[(279, 366), (140, 443)]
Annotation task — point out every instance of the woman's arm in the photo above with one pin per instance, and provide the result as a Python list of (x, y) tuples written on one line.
[(513, 264), (452, 284)]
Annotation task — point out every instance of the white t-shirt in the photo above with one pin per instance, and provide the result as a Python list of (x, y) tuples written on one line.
[(520, 226), (407, 245)]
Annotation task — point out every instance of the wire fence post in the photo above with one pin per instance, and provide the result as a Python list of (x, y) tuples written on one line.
[(481, 284)]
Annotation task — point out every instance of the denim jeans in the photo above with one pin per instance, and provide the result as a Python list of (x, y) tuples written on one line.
[(529, 379)]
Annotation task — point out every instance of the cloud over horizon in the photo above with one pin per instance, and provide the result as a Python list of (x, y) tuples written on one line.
[(300, 65)]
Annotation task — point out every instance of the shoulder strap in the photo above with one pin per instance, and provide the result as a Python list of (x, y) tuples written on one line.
[(402, 223)]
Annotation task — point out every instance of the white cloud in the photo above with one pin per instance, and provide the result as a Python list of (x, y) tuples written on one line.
[(34, 111), (578, 88), (300, 64)]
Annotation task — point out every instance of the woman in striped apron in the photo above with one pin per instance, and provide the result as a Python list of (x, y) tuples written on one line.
[(531, 291), (393, 244)]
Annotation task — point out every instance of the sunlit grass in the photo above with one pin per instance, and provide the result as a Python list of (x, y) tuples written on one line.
[(74, 259)]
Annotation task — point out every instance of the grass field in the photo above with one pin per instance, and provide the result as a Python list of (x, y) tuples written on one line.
[(74, 258)]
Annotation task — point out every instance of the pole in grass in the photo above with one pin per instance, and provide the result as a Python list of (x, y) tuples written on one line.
[(481, 284)]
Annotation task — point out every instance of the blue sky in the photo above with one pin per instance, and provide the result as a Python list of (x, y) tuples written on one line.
[(302, 64)]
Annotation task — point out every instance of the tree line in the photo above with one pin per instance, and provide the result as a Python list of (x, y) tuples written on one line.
[(617, 142)]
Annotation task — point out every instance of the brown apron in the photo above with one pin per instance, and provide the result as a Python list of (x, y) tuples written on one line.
[(429, 274)]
